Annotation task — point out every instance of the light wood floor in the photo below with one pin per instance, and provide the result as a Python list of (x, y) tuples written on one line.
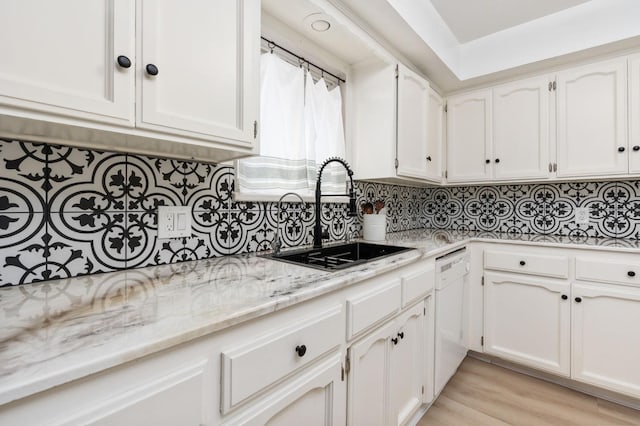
[(485, 394)]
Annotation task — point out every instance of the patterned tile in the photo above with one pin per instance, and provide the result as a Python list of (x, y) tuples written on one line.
[(86, 243), (24, 246), (87, 181), (24, 178), (148, 187)]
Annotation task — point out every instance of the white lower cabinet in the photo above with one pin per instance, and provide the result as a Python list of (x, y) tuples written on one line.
[(527, 320), (606, 344), (315, 398), (387, 371), (576, 322)]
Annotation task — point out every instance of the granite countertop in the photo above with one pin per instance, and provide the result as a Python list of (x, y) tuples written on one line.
[(57, 331)]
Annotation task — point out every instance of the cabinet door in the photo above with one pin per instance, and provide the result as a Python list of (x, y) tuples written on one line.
[(527, 320), (592, 120), (413, 110), (634, 114), (406, 364), (207, 57), (606, 344), (435, 136), (315, 398), (65, 62), (368, 378), (469, 137), (521, 129)]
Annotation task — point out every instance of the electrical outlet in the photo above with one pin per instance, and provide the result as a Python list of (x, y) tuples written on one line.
[(174, 221), (582, 216)]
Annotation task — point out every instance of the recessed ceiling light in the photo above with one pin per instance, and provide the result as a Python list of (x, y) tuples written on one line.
[(318, 22), (320, 25)]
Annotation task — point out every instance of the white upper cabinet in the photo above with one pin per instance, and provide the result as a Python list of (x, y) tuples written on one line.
[(151, 77), (396, 125), (435, 138), (204, 56), (413, 130), (63, 58), (592, 120), (469, 137), (521, 129), (634, 114)]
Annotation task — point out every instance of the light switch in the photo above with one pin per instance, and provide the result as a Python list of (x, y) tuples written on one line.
[(174, 221)]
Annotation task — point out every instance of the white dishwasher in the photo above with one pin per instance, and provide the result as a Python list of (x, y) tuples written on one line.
[(452, 270)]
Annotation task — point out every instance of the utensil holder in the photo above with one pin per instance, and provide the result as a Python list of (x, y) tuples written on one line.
[(374, 227)]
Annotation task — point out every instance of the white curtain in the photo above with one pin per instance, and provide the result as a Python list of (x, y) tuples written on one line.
[(301, 126)]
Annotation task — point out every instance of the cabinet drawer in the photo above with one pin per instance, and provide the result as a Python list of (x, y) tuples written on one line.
[(527, 263), (417, 284), (589, 269), (253, 366), (370, 308)]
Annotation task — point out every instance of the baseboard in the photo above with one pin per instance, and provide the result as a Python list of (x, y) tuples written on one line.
[(597, 392)]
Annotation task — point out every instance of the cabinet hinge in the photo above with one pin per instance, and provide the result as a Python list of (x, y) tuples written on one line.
[(550, 86), (255, 129), (482, 281), (423, 390), (482, 341), (342, 374), (397, 72), (555, 167), (396, 163), (554, 85), (347, 365), (446, 108), (424, 311), (446, 174)]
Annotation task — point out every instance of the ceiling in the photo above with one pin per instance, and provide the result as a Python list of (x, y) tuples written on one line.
[(460, 44), (470, 20)]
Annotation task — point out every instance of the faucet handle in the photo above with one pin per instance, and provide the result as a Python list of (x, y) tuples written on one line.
[(276, 245)]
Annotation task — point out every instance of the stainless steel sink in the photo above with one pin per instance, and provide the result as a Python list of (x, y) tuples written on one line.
[(338, 257)]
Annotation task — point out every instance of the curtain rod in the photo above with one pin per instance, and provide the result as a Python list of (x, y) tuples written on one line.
[(273, 44)]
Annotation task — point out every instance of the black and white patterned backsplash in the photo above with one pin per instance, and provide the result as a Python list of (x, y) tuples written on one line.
[(67, 212)]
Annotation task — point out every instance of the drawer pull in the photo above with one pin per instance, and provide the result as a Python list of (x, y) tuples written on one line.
[(631, 273), (301, 350), (621, 149), (522, 263), (151, 69), (578, 299), (636, 148), (401, 335), (123, 61), (565, 297)]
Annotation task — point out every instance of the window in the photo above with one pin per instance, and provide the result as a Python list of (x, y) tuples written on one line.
[(301, 126)]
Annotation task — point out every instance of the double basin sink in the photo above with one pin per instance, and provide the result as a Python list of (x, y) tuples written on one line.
[(338, 257)]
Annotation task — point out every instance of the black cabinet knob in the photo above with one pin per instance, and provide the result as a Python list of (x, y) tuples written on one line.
[(152, 69), (636, 148), (565, 297), (621, 149), (394, 340), (578, 299), (522, 263), (497, 160), (123, 61), (401, 335), (301, 350), (429, 158), (487, 161), (631, 273)]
